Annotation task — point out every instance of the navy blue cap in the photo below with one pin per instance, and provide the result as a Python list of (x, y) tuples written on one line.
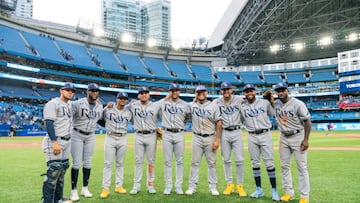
[(281, 85), (249, 87), (200, 88), (174, 87), (143, 89), (226, 85), (93, 86), (122, 94), (68, 86)]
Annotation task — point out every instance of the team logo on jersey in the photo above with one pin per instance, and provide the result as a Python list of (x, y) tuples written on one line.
[(118, 118), (254, 112), (203, 113), (90, 114), (228, 110), (143, 113), (65, 111), (173, 109)]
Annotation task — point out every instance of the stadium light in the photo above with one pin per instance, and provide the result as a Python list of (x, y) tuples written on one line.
[(151, 42), (325, 41), (297, 46), (275, 48), (352, 37), (98, 32), (126, 37)]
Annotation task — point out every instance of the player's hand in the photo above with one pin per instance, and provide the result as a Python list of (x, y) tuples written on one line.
[(109, 105), (215, 144), (56, 148), (304, 145)]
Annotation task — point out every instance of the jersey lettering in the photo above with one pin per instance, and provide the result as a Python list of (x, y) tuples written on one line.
[(143, 113), (172, 109), (90, 114), (65, 111), (281, 113), (203, 113), (228, 110), (117, 118), (254, 112)]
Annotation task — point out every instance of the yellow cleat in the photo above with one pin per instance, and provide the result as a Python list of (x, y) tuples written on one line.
[(229, 189), (286, 198), (241, 191), (304, 200), (120, 190), (104, 193)]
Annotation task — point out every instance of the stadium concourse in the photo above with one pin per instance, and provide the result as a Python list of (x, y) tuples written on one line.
[(37, 57)]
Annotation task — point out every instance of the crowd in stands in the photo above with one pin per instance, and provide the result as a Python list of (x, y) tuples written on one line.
[(349, 101)]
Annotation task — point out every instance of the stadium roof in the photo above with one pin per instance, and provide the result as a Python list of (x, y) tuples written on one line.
[(286, 25)]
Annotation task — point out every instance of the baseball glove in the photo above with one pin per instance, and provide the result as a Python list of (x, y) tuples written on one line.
[(159, 134), (268, 95)]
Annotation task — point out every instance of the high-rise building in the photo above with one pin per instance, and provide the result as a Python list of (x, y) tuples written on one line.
[(24, 8)]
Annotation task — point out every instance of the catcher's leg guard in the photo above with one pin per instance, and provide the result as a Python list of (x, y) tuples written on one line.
[(51, 178), (60, 183)]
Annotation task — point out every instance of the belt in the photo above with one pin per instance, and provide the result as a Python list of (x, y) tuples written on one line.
[(260, 131), (145, 131), (232, 128), (173, 130), (290, 133), (203, 135), (82, 132), (117, 134), (64, 138)]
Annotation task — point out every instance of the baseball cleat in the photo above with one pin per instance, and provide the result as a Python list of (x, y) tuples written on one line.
[(190, 191), (179, 191), (85, 192), (134, 191), (151, 190), (104, 193), (286, 197), (120, 190), (275, 195), (304, 200), (241, 191), (214, 192), (258, 193), (229, 189), (167, 191), (74, 196), (65, 200)]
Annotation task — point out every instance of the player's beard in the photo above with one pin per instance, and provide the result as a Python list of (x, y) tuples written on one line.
[(92, 98), (250, 98), (284, 99)]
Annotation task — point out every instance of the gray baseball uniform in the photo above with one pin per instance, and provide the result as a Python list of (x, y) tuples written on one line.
[(173, 115), (231, 138), (204, 118), (145, 123), (290, 117), (116, 124)]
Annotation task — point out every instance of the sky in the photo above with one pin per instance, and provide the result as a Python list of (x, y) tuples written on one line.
[(190, 19)]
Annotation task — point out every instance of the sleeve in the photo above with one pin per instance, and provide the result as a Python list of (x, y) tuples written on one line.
[(50, 111), (270, 108), (303, 112), (50, 129), (217, 115)]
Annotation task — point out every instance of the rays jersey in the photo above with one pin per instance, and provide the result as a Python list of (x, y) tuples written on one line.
[(229, 110), (173, 114), (255, 116), (204, 117), (86, 115), (145, 116), (116, 120), (60, 113)]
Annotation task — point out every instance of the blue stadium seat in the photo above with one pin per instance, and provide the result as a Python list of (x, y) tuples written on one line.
[(109, 61), (158, 68), (251, 77), (134, 65), (12, 42), (229, 77), (181, 70), (320, 76), (203, 73)]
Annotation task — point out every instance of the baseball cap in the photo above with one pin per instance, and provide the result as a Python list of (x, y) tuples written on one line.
[(93, 86), (143, 89), (281, 85), (68, 86), (249, 87), (226, 85), (200, 88), (174, 87), (122, 94)]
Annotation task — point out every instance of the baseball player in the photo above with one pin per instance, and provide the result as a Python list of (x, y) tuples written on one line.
[(56, 145), (255, 116), (145, 116), (116, 124), (206, 126), (231, 139), (295, 125), (86, 113), (174, 113)]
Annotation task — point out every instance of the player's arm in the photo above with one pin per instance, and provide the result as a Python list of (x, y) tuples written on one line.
[(51, 133), (218, 130)]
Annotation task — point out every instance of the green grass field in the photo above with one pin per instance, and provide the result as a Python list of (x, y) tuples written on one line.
[(334, 162)]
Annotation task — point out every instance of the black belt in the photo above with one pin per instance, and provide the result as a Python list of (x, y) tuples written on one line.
[(259, 131), (173, 130), (145, 131), (117, 134), (64, 138), (82, 132), (290, 133), (203, 135), (232, 128)]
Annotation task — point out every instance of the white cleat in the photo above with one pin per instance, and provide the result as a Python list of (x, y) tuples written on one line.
[(214, 192), (190, 191), (85, 192), (74, 196)]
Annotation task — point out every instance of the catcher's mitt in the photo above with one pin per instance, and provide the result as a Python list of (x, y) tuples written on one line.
[(268, 95), (159, 134)]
